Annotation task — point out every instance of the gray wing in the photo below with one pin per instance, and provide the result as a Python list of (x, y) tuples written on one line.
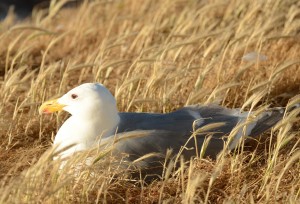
[(181, 121), (172, 130), (144, 143)]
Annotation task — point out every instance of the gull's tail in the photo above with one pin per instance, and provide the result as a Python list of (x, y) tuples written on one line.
[(270, 118)]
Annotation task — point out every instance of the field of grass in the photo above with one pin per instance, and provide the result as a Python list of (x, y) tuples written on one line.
[(154, 56)]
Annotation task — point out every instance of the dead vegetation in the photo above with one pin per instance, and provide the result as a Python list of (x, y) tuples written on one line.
[(153, 56)]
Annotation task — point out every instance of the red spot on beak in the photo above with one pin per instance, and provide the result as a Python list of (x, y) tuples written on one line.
[(46, 111)]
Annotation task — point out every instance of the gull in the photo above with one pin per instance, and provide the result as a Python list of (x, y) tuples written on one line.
[(95, 117)]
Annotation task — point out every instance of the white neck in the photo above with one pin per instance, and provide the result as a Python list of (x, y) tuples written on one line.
[(85, 131)]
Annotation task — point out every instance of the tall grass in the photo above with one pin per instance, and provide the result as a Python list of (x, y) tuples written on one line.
[(153, 56)]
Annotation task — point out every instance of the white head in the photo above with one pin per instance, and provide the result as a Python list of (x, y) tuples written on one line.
[(94, 113), (85, 100), (89, 98)]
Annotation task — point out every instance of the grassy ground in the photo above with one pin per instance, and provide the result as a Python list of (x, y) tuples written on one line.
[(153, 56)]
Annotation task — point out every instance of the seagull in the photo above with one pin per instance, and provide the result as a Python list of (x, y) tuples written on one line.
[(95, 117)]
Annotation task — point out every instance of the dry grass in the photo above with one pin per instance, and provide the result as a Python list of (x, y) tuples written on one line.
[(153, 56)]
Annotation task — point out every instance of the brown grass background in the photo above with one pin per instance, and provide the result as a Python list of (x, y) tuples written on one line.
[(154, 56)]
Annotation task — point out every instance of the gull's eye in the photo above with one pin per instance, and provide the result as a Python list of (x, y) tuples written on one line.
[(74, 96)]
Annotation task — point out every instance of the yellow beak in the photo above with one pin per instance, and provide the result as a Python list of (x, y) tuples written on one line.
[(51, 106)]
